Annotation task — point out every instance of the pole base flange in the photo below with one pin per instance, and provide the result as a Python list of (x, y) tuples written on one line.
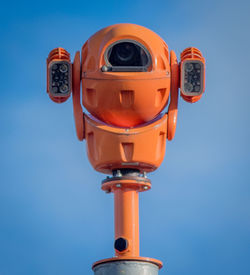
[(126, 267)]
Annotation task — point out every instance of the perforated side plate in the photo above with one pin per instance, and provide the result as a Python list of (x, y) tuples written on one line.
[(192, 77), (60, 78)]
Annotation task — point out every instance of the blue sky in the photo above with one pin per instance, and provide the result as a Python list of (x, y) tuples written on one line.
[(54, 218)]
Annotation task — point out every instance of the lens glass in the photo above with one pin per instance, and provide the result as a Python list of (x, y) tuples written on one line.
[(127, 54), (189, 67), (64, 88), (63, 68), (188, 87)]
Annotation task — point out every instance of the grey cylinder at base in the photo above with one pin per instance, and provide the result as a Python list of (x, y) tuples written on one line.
[(126, 268)]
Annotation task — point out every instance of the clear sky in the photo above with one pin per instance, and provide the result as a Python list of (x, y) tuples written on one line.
[(54, 218)]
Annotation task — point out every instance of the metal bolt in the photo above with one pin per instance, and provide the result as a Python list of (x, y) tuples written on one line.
[(118, 173), (104, 68)]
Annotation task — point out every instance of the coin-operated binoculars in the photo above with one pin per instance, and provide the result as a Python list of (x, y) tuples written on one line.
[(127, 77)]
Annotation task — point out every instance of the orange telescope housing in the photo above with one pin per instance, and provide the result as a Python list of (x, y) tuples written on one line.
[(124, 78), (137, 91)]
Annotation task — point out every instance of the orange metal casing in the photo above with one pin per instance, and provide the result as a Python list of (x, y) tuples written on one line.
[(57, 54), (110, 148), (125, 99), (173, 106), (192, 54), (77, 107)]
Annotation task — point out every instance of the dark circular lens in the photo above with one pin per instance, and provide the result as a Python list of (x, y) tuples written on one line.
[(64, 89), (125, 54), (63, 68), (189, 67), (54, 67), (188, 87)]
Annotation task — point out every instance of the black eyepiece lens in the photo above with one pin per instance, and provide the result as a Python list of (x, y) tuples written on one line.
[(127, 54)]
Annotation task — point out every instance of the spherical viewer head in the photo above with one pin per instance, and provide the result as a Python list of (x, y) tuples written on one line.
[(125, 75)]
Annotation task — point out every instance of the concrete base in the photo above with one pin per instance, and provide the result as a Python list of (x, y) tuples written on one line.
[(124, 267)]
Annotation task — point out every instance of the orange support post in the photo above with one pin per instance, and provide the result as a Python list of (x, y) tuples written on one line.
[(126, 188), (127, 219)]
